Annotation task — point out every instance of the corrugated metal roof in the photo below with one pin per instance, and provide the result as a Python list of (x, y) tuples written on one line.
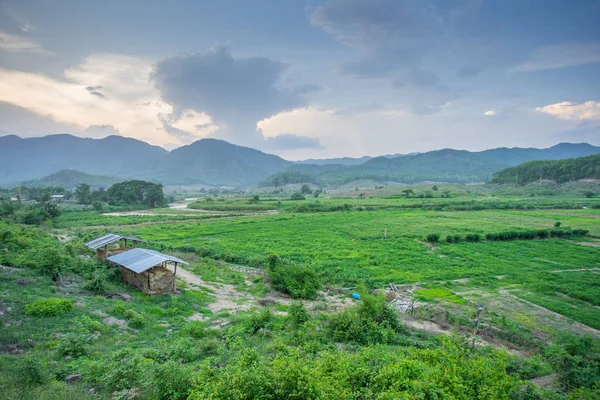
[(140, 260), (108, 239)]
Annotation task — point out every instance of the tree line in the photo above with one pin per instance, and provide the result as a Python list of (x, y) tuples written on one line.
[(560, 171)]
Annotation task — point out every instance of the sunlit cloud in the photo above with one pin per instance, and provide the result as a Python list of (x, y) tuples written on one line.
[(590, 110), (105, 89), (490, 113)]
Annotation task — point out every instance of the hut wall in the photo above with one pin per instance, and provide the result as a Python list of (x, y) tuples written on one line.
[(161, 280)]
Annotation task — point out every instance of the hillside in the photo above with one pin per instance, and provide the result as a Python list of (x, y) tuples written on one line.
[(447, 165), (69, 179), (218, 163), (559, 171), (34, 158)]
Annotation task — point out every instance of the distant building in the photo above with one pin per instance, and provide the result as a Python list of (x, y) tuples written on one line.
[(147, 270), (111, 244), (57, 196)]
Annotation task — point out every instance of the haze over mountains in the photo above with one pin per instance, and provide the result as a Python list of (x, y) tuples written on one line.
[(219, 163)]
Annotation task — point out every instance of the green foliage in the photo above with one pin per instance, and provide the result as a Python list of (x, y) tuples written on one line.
[(135, 319), (83, 194), (136, 193), (433, 238), (97, 205), (171, 381), (50, 307), (72, 344), (298, 281), (557, 170), (472, 237), (298, 314), (297, 196), (305, 189), (372, 321), (33, 371)]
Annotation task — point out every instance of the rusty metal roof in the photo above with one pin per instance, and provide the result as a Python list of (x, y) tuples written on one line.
[(108, 239), (140, 260)]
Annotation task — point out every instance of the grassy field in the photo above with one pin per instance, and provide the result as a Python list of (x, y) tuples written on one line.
[(349, 247)]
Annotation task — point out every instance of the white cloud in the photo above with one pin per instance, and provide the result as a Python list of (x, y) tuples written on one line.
[(130, 102), (561, 56), (490, 113), (18, 44), (590, 110), (396, 131)]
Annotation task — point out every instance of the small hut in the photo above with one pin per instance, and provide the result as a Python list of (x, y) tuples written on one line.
[(147, 270), (111, 244)]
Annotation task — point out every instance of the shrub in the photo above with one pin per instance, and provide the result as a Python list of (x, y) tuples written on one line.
[(450, 239), (557, 224), (49, 307), (298, 281), (433, 238), (71, 344), (472, 237), (171, 380), (134, 318), (298, 313), (33, 372), (297, 196)]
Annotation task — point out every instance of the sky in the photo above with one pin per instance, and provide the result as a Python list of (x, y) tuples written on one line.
[(304, 78)]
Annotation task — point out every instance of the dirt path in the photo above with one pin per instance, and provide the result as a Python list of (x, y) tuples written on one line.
[(226, 296)]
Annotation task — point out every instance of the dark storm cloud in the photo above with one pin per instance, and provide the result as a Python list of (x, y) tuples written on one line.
[(238, 92), (290, 141), (408, 43)]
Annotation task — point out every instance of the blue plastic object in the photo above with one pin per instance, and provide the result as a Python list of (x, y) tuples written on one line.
[(356, 296)]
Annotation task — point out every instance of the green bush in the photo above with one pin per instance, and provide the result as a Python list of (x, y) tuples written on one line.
[(134, 318), (472, 237), (171, 381), (72, 344), (297, 196), (298, 313), (50, 307), (433, 238), (449, 239), (298, 281)]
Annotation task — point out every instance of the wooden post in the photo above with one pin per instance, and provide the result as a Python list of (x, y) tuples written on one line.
[(174, 278)]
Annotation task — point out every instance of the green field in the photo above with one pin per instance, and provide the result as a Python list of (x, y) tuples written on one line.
[(349, 247)]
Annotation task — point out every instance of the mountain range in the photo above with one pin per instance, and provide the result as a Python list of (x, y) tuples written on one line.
[(219, 163)]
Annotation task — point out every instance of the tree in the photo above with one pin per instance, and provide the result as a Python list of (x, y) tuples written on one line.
[(297, 196), (83, 194), (435, 188), (305, 189), (97, 205), (317, 192), (408, 192)]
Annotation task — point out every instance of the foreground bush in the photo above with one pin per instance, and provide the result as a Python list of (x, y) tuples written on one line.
[(49, 307), (371, 372), (298, 281)]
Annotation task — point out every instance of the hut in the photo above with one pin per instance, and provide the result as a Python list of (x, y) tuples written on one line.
[(111, 244), (147, 270)]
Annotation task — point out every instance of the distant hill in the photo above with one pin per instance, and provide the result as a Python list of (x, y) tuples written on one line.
[(69, 179), (35, 158), (560, 171), (218, 163)]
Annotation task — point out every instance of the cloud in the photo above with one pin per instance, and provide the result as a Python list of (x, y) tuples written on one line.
[(590, 110), (290, 141), (235, 92), (562, 56), (132, 104), (19, 44), (490, 113), (100, 131)]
